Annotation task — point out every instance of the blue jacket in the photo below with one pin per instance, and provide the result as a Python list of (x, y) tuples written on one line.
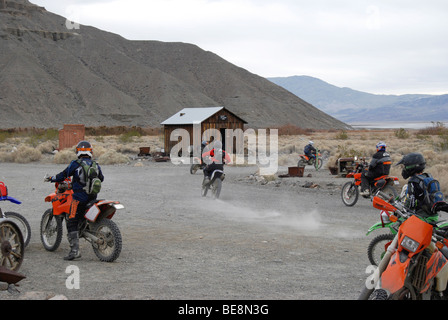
[(74, 170)]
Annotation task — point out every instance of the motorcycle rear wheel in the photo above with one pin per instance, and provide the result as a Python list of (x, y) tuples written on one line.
[(108, 247), (50, 230), (22, 223), (349, 194), (377, 247), (216, 188)]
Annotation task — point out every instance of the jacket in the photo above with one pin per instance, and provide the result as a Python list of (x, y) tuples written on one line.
[(75, 170)]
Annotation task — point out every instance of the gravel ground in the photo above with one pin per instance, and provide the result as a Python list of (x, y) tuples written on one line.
[(277, 241)]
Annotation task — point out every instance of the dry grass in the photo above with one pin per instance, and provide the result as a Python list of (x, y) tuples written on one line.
[(363, 142), (117, 145)]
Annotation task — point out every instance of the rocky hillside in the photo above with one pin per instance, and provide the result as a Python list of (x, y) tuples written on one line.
[(51, 75)]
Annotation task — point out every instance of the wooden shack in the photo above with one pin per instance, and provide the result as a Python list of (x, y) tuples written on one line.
[(70, 135), (209, 118)]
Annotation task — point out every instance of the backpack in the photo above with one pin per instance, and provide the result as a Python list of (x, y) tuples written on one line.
[(90, 177), (432, 189)]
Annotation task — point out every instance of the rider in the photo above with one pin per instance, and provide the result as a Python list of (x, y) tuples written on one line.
[(309, 150), (379, 166), (413, 166), (217, 158), (80, 196)]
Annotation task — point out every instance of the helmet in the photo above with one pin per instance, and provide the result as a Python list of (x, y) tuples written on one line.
[(412, 163), (381, 146), (311, 142), (84, 148)]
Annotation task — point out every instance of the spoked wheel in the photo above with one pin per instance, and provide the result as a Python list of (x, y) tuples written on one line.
[(194, 168), (301, 163), (12, 247), (50, 230), (216, 188), (378, 246), (391, 192), (349, 194), (22, 223), (108, 246), (319, 163), (205, 188)]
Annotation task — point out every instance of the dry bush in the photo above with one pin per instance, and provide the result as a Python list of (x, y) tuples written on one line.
[(65, 156), (113, 157), (24, 154)]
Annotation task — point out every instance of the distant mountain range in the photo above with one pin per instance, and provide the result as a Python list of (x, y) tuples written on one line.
[(351, 106)]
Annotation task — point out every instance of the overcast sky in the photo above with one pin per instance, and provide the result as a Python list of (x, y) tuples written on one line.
[(383, 46)]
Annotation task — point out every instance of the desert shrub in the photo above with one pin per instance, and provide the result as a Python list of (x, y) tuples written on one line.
[(65, 156), (128, 136), (341, 135), (26, 154), (112, 157), (401, 133)]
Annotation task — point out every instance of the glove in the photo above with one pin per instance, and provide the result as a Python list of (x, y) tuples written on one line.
[(440, 206), (47, 178)]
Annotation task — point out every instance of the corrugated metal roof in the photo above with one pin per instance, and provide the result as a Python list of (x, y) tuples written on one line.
[(192, 115)]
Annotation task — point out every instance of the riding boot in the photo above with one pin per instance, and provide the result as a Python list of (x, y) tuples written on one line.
[(73, 240)]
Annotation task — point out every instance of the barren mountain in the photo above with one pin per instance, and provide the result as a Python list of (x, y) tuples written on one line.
[(51, 75)]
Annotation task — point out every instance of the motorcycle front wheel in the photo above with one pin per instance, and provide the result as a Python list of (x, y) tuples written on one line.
[(319, 163), (23, 225), (50, 230), (12, 246), (378, 246), (194, 168), (349, 194), (108, 246)]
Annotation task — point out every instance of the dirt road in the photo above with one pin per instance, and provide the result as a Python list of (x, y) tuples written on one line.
[(273, 241)]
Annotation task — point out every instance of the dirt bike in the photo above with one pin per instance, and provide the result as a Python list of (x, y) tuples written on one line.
[(197, 165), (215, 184), (17, 218), (414, 266), (377, 247), (311, 161), (97, 227), (350, 190)]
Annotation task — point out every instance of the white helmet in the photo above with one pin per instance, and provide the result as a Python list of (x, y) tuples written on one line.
[(311, 142)]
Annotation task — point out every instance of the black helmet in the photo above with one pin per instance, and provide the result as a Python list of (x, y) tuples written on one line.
[(83, 149), (412, 163)]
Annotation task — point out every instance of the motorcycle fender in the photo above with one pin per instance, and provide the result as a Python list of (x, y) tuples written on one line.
[(357, 177), (94, 211), (437, 268), (393, 278), (376, 226)]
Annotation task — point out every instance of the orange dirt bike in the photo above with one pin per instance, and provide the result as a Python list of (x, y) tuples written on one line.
[(350, 190), (97, 227), (311, 161), (414, 266)]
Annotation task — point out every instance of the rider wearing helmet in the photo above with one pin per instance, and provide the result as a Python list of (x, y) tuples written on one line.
[(215, 159), (413, 166), (80, 196), (379, 166), (309, 150)]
